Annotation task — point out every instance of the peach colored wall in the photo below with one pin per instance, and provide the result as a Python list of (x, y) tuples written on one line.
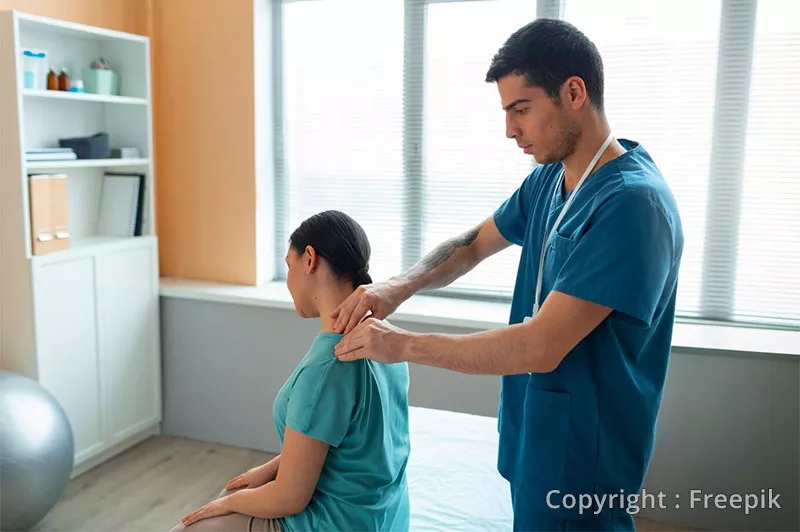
[(204, 127), (205, 138), (120, 15)]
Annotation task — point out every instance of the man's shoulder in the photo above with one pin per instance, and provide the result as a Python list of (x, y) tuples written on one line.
[(636, 177)]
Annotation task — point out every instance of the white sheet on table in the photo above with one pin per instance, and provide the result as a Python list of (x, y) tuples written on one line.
[(452, 473)]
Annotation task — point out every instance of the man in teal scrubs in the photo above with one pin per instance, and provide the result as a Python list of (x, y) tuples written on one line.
[(584, 357)]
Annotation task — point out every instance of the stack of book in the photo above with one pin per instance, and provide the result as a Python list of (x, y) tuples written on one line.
[(50, 154)]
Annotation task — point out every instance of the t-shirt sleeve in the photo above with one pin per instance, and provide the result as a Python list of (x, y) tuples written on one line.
[(624, 259), (511, 218), (323, 399)]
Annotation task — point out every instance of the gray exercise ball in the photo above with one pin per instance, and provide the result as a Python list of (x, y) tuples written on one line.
[(36, 451)]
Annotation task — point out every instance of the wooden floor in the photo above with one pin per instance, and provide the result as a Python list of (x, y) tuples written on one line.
[(153, 485), (150, 487)]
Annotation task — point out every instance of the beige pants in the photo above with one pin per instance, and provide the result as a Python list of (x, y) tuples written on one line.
[(231, 523)]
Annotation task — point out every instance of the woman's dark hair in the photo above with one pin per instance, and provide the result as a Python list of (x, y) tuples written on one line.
[(547, 52), (338, 239)]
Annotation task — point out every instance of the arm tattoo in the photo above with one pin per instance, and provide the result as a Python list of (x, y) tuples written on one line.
[(441, 254)]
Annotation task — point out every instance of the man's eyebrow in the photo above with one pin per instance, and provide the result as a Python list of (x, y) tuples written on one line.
[(516, 102)]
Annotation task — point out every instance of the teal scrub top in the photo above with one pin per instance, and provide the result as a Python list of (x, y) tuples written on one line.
[(360, 409), (588, 427)]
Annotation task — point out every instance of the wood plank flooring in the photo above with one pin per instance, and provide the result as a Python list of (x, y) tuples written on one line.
[(151, 486)]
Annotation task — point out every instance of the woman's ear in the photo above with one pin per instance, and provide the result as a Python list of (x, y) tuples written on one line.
[(310, 260)]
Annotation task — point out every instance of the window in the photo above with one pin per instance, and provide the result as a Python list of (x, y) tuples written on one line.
[(660, 72), (387, 117), (343, 120), (767, 267), (470, 167)]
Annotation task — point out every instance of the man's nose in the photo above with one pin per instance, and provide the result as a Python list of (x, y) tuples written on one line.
[(512, 131)]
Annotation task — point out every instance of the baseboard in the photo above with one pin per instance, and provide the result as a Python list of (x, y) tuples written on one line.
[(99, 459)]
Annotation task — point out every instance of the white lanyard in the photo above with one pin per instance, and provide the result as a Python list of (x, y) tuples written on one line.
[(549, 237)]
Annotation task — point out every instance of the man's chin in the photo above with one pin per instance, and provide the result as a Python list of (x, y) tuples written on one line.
[(545, 159)]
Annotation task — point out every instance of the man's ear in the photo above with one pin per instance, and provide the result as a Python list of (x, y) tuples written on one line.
[(574, 92)]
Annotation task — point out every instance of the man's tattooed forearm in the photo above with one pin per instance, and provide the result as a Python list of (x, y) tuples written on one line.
[(441, 254)]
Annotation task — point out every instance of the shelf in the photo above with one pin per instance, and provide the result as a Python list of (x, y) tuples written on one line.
[(85, 163), (91, 246), (63, 28), (83, 97)]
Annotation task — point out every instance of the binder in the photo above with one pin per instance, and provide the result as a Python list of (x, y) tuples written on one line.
[(59, 211), (121, 205), (40, 214)]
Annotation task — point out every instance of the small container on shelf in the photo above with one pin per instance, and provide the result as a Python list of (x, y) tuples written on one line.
[(63, 80), (125, 153), (94, 147), (101, 79), (34, 69), (76, 85), (52, 80)]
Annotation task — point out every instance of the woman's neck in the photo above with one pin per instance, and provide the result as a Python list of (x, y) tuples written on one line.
[(328, 299)]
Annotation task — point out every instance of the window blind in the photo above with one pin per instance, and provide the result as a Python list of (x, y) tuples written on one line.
[(385, 115)]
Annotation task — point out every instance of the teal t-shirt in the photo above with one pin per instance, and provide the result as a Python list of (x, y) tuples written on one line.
[(360, 409)]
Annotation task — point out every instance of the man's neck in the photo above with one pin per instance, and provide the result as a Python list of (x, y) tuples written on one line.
[(591, 140)]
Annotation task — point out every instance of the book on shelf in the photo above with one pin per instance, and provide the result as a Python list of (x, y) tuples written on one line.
[(121, 205), (48, 150), (50, 154)]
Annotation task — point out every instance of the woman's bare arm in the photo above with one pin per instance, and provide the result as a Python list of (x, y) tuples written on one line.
[(300, 467)]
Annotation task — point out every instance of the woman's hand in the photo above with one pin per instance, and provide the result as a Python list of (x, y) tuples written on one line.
[(258, 476), (215, 508)]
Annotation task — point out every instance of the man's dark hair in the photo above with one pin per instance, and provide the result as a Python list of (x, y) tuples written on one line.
[(547, 52)]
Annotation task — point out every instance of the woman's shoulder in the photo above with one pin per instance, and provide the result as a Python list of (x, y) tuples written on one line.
[(321, 365), (321, 374), (321, 359)]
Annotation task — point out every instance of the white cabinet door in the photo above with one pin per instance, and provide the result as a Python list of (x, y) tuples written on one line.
[(66, 344), (127, 294)]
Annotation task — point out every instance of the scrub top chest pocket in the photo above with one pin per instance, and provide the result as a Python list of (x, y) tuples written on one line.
[(558, 252)]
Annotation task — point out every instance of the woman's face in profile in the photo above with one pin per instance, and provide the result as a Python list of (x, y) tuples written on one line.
[(298, 281)]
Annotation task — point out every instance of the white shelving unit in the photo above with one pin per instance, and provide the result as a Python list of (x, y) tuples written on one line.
[(84, 97), (84, 321), (86, 163)]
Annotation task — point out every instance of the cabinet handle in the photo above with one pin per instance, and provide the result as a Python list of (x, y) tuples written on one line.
[(44, 237), (62, 234)]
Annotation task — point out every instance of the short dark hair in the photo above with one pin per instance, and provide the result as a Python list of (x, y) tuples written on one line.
[(547, 52), (340, 240)]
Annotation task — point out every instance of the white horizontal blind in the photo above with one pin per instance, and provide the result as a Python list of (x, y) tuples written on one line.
[(767, 280), (396, 127), (672, 87), (343, 119), (660, 71), (470, 167)]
